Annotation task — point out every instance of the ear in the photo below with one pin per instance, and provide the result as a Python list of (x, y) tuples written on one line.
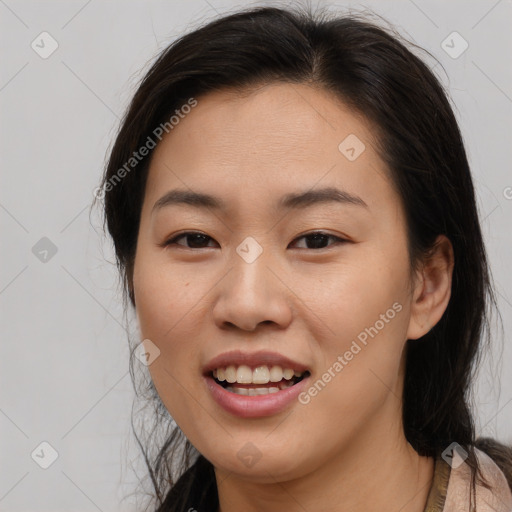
[(432, 289)]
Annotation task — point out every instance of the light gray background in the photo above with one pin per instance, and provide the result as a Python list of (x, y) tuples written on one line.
[(64, 358)]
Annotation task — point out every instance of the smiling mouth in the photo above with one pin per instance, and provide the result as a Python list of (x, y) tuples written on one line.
[(259, 389)]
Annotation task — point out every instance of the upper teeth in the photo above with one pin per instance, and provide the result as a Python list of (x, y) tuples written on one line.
[(260, 375)]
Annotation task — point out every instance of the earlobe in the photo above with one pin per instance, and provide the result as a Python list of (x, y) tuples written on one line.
[(432, 292)]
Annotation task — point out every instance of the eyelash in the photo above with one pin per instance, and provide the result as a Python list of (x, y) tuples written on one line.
[(172, 241)]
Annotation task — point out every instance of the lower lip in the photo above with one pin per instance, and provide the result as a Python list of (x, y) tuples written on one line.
[(246, 406)]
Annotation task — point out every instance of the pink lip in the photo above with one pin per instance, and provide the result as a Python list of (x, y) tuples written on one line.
[(263, 357), (254, 406)]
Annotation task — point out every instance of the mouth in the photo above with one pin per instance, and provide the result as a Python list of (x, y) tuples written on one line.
[(256, 388), (252, 391), (257, 384)]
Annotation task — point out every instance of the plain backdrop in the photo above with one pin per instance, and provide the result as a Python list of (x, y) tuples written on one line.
[(64, 358)]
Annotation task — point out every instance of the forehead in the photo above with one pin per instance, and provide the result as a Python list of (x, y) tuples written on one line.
[(265, 119), (276, 137)]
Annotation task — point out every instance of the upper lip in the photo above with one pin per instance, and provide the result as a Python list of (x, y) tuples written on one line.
[(261, 358)]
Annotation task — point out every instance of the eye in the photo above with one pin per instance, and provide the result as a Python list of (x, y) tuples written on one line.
[(195, 240), (318, 239)]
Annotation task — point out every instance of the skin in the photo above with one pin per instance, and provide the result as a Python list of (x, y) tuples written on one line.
[(345, 450)]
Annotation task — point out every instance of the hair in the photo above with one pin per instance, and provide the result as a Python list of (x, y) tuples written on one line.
[(373, 72)]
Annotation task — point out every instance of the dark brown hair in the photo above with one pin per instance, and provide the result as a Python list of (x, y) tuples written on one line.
[(376, 75)]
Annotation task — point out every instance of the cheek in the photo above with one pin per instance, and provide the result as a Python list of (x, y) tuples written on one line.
[(168, 305), (361, 357), (169, 308), (353, 295), (165, 297), (364, 306)]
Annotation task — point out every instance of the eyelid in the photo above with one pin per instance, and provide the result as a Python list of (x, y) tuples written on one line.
[(177, 236), (337, 238)]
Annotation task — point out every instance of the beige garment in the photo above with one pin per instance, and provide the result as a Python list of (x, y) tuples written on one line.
[(450, 490)]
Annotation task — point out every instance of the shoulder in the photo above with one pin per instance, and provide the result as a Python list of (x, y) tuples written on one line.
[(497, 499)]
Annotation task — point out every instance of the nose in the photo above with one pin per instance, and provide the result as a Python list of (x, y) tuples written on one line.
[(252, 294)]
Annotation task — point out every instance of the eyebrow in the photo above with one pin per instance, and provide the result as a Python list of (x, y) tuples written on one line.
[(287, 202)]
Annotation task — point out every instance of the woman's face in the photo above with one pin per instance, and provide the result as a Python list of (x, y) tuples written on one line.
[(338, 304)]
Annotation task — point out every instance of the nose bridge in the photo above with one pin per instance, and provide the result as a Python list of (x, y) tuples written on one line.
[(251, 294), (250, 272)]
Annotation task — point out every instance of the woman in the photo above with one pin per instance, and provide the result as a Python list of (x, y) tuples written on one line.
[(294, 219)]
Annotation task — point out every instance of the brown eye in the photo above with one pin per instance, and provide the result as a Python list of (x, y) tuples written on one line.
[(319, 239), (195, 240)]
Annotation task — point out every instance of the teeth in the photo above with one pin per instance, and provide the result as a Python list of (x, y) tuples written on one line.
[(288, 373), (244, 375), (260, 375), (252, 391), (259, 391), (230, 373), (276, 374)]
